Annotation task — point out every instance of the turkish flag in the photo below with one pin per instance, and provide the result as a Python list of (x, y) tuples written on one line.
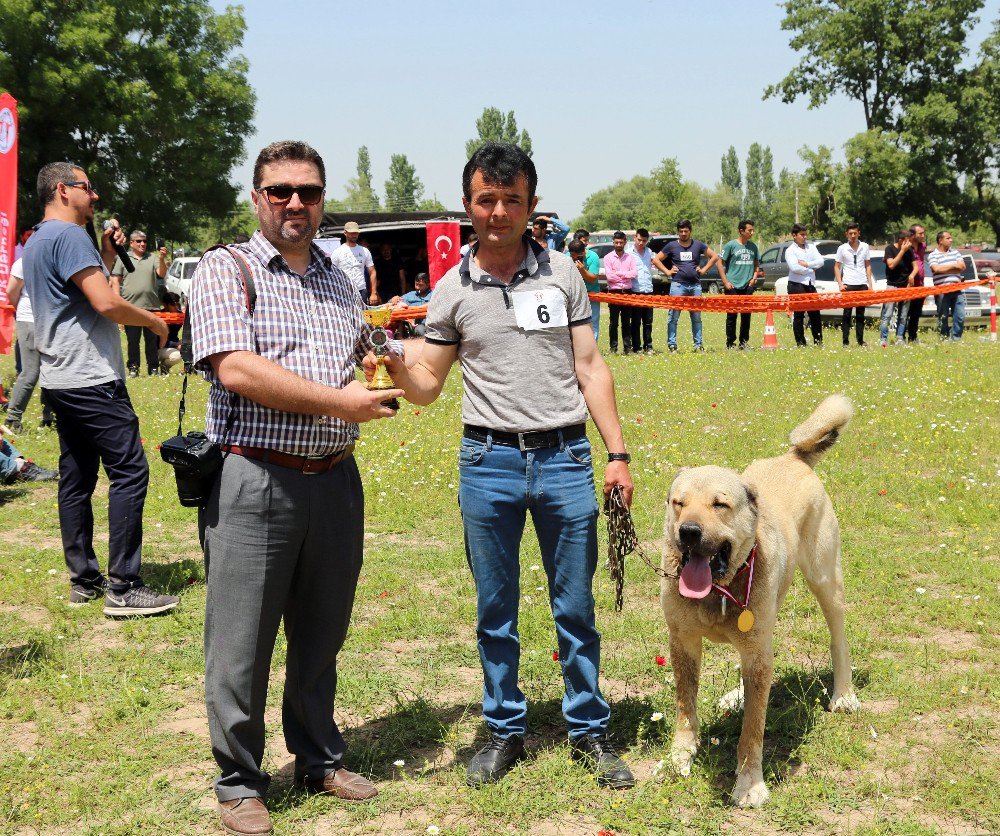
[(8, 212), (444, 240)]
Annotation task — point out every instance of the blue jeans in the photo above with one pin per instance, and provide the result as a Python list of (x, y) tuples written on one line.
[(8, 462), (498, 486), (680, 289), (595, 318), (901, 309), (953, 305)]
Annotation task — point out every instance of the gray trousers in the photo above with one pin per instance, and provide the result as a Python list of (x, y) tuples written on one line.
[(31, 360), (278, 543)]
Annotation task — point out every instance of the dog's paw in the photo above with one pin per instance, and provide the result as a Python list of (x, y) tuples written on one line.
[(846, 703), (750, 790), (682, 757), (733, 701)]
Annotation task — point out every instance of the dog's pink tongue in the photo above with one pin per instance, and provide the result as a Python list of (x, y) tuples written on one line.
[(696, 578)]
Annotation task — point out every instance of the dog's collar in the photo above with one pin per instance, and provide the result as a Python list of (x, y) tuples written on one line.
[(746, 567)]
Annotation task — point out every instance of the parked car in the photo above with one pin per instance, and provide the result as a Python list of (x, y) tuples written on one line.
[(977, 299), (179, 275), (987, 263), (772, 261)]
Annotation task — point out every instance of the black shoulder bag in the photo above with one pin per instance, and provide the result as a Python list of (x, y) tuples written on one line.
[(195, 459)]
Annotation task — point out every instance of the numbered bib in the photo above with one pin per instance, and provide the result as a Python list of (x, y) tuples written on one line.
[(686, 255), (537, 309)]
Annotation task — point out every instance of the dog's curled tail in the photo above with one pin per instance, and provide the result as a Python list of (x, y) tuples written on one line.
[(820, 431)]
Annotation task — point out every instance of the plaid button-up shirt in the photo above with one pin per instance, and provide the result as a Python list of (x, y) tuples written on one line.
[(310, 325)]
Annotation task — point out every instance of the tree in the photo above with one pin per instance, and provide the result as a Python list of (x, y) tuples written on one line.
[(873, 185), (148, 96), (431, 204), (361, 196), (618, 206), (759, 199), (403, 189), (731, 171), (886, 54), (818, 205), (494, 126)]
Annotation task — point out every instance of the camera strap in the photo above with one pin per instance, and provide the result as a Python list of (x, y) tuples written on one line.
[(250, 298)]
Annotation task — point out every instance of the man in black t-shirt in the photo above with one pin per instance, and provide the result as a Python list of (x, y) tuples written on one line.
[(900, 271), (391, 278)]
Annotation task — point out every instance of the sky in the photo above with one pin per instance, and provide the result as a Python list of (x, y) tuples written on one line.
[(606, 90)]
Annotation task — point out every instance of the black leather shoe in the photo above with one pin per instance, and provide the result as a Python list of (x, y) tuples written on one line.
[(494, 760), (597, 752)]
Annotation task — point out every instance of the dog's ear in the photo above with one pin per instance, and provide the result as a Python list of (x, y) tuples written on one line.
[(751, 496)]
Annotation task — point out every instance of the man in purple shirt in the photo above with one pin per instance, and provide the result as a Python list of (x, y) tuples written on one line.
[(620, 269)]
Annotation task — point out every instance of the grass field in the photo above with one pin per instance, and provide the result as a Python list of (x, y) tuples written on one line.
[(104, 722)]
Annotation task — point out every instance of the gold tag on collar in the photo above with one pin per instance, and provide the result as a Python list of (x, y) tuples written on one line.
[(745, 621)]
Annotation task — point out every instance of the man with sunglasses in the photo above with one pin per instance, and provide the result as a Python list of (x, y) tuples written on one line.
[(852, 268), (82, 375), (284, 523), (142, 288)]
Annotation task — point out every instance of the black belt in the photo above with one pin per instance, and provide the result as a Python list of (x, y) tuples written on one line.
[(528, 441)]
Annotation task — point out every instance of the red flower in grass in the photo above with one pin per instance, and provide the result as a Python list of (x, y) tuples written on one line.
[(606, 833), (882, 492), (555, 655), (661, 661), (384, 594)]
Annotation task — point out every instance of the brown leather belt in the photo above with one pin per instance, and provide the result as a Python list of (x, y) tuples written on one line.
[(304, 464)]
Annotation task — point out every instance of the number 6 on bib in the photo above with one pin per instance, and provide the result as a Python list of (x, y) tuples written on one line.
[(537, 309)]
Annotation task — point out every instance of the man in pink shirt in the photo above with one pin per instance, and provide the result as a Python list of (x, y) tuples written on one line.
[(918, 238), (620, 269)]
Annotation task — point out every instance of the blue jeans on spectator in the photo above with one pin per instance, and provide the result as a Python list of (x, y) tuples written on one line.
[(595, 318), (8, 461), (953, 305), (681, 289), (498, 486), (901, 310), (96, 426)]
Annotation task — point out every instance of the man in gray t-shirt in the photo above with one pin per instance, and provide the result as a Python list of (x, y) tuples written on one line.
[(516, 316), (82, 375)]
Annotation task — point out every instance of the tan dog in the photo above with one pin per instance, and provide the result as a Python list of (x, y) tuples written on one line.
[(714, 519)]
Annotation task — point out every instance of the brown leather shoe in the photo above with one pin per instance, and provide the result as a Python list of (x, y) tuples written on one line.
[(245, 817), (342, 784)]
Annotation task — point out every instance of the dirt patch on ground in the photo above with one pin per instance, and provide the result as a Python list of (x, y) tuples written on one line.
[(413, 541), (33, 616), (30, 534), (950, 641)]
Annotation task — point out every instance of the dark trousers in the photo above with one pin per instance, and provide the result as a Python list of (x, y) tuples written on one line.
[(151, 345), (859, 315), (279, 544), (96, 426), (743, 317), (913, 319), (625, 313), (798, 318), (642, 318)]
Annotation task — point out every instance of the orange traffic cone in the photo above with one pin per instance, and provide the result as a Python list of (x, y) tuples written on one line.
[(770, 335)]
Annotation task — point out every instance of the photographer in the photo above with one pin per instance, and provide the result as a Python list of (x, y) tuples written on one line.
[(143, 288)]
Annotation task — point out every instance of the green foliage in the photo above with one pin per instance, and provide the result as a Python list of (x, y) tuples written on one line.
[(818, 204), (148, 96), (872, 187), (431, 204), (361, 195), (618, 206), (886, 54), (731, 170), (403, 189), (495, 126), (215, 230), (759, 199)]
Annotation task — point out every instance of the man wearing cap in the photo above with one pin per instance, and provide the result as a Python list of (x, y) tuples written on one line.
[(356, 261), (517, 318), (142, 288)]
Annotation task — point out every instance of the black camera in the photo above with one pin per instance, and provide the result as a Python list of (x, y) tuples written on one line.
[(196, 462)]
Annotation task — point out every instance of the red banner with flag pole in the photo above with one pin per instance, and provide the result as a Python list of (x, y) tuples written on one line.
[(444, 240), (8, 212)]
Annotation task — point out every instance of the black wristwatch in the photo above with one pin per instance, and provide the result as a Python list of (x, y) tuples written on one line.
[(619, 457)]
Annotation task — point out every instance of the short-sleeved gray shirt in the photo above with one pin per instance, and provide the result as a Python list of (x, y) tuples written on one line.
[(515, 379), (78, 346)]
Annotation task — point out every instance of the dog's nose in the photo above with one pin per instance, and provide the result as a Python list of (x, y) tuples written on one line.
[(690, 533)]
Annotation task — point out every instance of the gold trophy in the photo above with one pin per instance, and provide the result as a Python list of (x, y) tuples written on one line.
[(378, 318)]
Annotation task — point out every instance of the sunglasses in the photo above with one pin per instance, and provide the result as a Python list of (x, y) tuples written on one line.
[(86, 185), (280, 195)]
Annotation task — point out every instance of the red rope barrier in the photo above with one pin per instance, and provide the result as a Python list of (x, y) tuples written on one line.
[(797, 302)]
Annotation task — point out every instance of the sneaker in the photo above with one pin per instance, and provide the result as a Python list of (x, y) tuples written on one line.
[(597, 753), (31, 472), (140, 600), (14, 426), (133, 372), (884, 344), (84, 594), (647, 350), (494, 760), (699, 348), (672, 348)]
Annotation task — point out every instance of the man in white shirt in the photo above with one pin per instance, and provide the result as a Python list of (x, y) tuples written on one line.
[(852, 269), (803, 259), (356, 261)]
